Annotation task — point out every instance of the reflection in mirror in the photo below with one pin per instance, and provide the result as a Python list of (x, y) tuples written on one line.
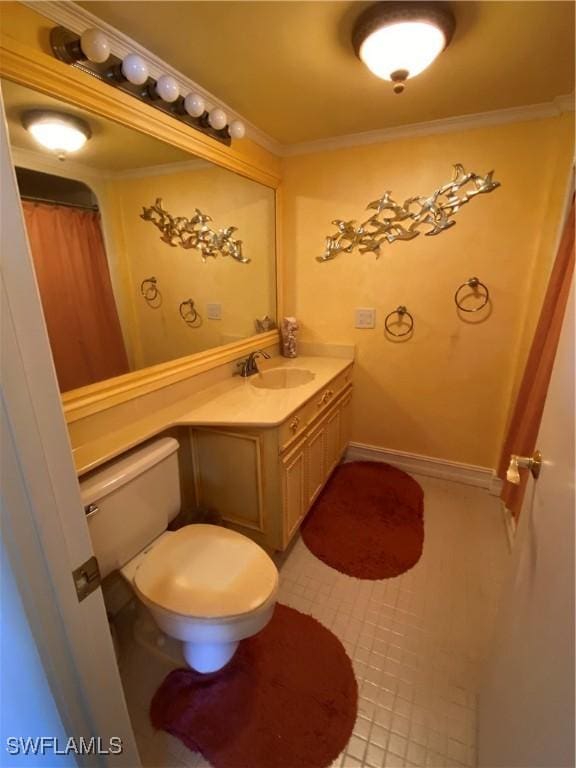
[(143, 252)]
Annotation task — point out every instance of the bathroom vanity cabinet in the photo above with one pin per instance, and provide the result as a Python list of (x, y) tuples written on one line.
[(263, 481)]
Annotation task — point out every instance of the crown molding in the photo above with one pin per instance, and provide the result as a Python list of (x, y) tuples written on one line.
[(164, 169), (554, 108), (78, 19), (43, 161)]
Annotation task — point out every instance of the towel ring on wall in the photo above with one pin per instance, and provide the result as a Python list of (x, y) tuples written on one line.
[(190, 314), (403, 315), (149, 288), (475, 284)]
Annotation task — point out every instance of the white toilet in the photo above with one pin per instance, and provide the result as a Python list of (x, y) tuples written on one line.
[(205, 585)]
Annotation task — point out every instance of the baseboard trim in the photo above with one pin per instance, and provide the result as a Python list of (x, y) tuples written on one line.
[(469, 474)]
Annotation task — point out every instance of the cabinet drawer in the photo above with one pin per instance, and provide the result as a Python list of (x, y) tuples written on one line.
[(341, 381), (298, 422), (318, 404)]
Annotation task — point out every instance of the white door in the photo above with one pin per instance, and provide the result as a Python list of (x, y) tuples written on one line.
[(44, 529), (526, 705)]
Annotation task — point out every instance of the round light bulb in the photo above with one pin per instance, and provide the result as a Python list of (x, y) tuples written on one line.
[(135, 69), (167, 88), (194, 105), (237, 129), (217, 118), (95, 46), (409, 46)]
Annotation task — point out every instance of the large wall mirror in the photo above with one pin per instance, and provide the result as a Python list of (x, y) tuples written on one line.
[(128, 282)]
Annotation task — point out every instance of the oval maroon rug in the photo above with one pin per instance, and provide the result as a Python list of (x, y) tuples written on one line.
[(368, 522), (287, 699)]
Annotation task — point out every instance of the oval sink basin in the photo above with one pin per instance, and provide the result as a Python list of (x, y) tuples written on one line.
[(282, 378)]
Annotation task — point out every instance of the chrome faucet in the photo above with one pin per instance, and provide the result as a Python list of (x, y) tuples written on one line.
[(249, 367)]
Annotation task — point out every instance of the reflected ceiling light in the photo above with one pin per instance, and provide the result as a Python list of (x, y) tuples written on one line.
[(398, 40), (56, 131)]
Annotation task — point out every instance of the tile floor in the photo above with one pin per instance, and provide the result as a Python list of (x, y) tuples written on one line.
[(416, 641)]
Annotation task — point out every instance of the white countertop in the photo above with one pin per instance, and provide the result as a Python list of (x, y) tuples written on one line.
[(235, 402)]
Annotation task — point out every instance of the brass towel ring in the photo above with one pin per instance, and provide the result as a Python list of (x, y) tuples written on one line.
[(149, 288), (402, 313), (473, 283), (190, 314)]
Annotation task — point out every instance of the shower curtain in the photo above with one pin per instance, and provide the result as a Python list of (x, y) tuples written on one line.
[(527, 414), (76, 291)]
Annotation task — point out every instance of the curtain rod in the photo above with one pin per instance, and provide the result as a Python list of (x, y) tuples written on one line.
[(31, 199)]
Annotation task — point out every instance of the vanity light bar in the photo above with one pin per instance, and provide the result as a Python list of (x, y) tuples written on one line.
[(90, 53)]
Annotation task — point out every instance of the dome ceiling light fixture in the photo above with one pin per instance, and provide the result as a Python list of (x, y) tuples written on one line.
[(399, 40), (57, 131)]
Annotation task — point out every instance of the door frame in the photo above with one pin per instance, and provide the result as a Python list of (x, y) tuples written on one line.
[(47, 537)]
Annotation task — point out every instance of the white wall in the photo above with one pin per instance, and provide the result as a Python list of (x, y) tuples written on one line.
[(27, 707)]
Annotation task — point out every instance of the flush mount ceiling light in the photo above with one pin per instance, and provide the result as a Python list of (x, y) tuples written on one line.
[(56, 131), (398, 40)]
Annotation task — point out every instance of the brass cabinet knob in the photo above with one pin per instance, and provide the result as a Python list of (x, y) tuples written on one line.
[(295, 423)]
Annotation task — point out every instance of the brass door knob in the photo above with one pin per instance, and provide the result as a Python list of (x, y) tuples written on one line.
[(533, 463)]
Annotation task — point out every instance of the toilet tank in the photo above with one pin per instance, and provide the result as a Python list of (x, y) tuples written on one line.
[(136, 497)]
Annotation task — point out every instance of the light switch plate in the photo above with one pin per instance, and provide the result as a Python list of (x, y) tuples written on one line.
[(214, 311), (365, 318)]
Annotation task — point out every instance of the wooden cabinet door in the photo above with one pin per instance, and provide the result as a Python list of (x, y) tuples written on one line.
[(228, 468), (293, 490), (345, 423), (315, 463), (333, 441)]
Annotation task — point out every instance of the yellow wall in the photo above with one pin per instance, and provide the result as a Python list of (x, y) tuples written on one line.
[(244, 291), (446, 392)]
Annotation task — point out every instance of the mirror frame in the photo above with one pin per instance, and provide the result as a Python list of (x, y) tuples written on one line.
[(34, 68)]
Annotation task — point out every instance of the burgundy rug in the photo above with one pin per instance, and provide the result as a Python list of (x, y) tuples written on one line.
[(287, 699), (368, 522)]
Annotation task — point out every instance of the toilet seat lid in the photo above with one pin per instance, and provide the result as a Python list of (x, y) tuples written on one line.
[(207, 571)]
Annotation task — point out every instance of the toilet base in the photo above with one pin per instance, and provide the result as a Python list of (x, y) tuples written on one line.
[(208, 657), (148, 635)]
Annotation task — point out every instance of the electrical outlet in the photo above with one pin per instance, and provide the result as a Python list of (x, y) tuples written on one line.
[(214, 311), (365, 318)]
